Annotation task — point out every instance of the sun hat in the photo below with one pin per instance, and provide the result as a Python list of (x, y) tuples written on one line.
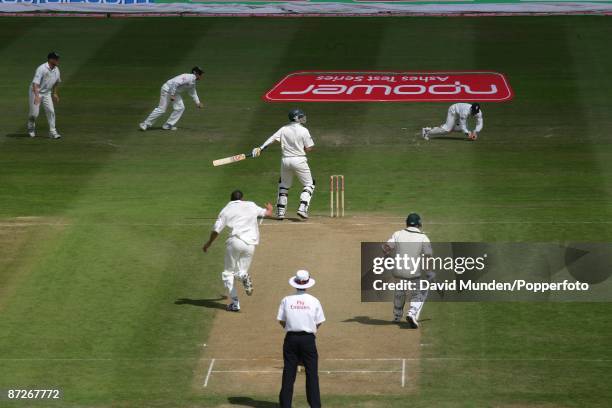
[(302, 280)]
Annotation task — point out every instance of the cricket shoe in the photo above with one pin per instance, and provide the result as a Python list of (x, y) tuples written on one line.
[(280, 215), (232, 307), (143, 126), (425, 133), (397, 319), (302, 214), (31, 133), (55, 135), (248, 285), (169, 127), (412, 321)]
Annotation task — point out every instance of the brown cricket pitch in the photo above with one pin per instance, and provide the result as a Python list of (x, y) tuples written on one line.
[(360, 350)]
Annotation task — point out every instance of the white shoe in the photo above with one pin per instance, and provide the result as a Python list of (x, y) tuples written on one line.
[(232, 307), (397, 319), (55, 135), (302, 214), (169, 127), (32, 133), (425, 133), (143, 126), (412, 321)]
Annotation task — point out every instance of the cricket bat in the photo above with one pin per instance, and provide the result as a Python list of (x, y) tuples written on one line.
[(231, 159)]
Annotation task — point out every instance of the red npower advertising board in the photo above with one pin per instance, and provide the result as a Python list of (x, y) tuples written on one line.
[(344, 86)]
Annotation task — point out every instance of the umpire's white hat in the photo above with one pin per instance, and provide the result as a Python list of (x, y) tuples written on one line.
[(302, 280)]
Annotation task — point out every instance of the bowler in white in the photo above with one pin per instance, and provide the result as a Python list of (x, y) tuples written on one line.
[(456, 121), (296, 142), (242, 217), (43, 91), (171, 92)]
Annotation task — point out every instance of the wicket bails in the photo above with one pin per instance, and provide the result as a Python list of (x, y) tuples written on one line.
[(336, 186)]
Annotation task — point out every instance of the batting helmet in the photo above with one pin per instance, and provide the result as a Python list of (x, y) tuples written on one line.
[(413, 220), (296, 114)]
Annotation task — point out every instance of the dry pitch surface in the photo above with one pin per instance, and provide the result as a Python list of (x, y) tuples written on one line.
[(360, 350)]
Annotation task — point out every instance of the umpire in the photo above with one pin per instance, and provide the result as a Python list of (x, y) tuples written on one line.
[(300, 315)]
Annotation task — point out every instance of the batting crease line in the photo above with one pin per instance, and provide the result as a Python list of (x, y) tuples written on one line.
[(593, 360), (278, 224), (210, 370), (320, 371)]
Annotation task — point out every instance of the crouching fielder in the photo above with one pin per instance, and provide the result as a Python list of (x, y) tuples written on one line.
[(295, 141), (241, 217), (456, 120), (413, 243), (171, 91)]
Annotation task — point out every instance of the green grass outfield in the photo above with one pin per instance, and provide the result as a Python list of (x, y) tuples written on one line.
[(87, 290)]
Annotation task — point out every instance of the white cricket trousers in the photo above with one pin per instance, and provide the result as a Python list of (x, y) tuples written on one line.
[(417, 300), (178, 107), (451, 124), (297, 166), (47, 102), (238, 257)]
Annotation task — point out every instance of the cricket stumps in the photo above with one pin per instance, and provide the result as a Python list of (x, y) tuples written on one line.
[(336, 188)]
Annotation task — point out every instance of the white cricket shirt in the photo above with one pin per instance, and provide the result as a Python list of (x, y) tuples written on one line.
[(181, 83), (462, 110), (412, 243), (241, 217), (46, 78), (301, 312), (294, 138)]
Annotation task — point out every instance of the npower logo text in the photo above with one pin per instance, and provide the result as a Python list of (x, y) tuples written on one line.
[(391, 87)]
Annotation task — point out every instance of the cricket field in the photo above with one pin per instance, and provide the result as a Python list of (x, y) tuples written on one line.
[(106, 294)]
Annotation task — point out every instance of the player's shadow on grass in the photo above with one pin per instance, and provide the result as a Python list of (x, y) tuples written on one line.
[(454, 138), (250, 402), (208, 303), (378, 322), (17, 135)]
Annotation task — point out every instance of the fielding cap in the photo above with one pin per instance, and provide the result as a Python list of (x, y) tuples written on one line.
[(475, 109)]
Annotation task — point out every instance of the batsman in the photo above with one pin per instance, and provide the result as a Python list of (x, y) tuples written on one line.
[(296, 142), (412, 242)]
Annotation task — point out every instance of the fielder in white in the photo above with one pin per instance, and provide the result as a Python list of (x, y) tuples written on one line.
[(412, 242), (295, 141), (43, 91), (171, 91), (456, 121), (241, 217)]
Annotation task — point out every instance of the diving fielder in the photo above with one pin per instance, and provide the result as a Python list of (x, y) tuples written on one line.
[(241, 217), (43, 91), (295, 141), (172, 90), (456, 120), (410, 241)]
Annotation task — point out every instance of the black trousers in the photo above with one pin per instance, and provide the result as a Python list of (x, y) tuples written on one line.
[(300, 348)]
